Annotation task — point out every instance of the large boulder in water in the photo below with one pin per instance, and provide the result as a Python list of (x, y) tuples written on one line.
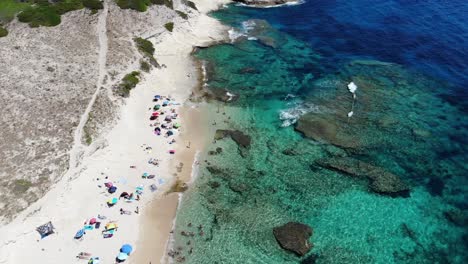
[(294, 237), (380, 180)]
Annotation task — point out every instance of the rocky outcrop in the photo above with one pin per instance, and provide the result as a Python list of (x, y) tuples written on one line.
[(239, 137), (380, 180), (294, 237), (265, 3)]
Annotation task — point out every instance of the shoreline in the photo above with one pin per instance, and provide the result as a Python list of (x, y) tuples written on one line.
[(73, 199)]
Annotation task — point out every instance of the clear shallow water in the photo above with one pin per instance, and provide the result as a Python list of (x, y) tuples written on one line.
[(408, 121)]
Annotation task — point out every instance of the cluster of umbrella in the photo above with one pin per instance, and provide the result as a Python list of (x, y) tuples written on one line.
[(168, 118), (125, 251)]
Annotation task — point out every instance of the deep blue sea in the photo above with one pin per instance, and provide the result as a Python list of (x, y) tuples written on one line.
[(380, 177)]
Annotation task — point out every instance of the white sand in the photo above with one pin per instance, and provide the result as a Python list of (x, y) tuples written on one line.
[(77, 197)]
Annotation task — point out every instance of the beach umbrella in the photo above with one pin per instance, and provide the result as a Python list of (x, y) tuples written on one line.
[(112, 189), (112, 201), (127, 249), (79, 234), (156, 107), (111, 225), (94, 260), (122, 256), (155, 114)]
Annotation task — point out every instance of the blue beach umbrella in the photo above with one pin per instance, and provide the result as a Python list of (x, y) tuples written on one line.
[(122, 256), (127, 249)]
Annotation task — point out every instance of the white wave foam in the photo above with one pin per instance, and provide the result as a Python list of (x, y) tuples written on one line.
[(291, 115), (204, 74), (195, 167), (293, 3), (247, 26), (234, 35)]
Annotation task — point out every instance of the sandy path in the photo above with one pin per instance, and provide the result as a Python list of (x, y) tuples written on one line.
[(77, 149)]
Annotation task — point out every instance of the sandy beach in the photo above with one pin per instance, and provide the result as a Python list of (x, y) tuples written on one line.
[(121, 157)]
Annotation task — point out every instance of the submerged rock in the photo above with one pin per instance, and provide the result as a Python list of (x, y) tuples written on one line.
[(290, 152), (325, 128), (380, 180), (457, 217), (239, 137), (294, 237)]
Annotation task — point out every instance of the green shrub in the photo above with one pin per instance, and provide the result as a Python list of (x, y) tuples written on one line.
[(65, 6), (191, 4), (129, 82), (145, 66), (167, 3), (3, 32), (21, 186), (182, 14), (147, 49), (45, 13), (9, 9), (93, 4), (169, 26), (39, 16), (138, 5), (145, 46)]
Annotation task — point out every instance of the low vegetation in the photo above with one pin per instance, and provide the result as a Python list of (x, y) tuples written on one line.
[(3, 31), (182, 14), (169, 26), (9, 8), (129, 82), (142, 5), (147, 49), (42, 12), (145, 66), (21, 186), (167, 3), (191, 4)]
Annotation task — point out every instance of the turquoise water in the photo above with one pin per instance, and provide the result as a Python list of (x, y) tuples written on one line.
[(401, 125)]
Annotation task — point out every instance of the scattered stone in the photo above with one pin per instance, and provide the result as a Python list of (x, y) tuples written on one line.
[(294, 237)]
